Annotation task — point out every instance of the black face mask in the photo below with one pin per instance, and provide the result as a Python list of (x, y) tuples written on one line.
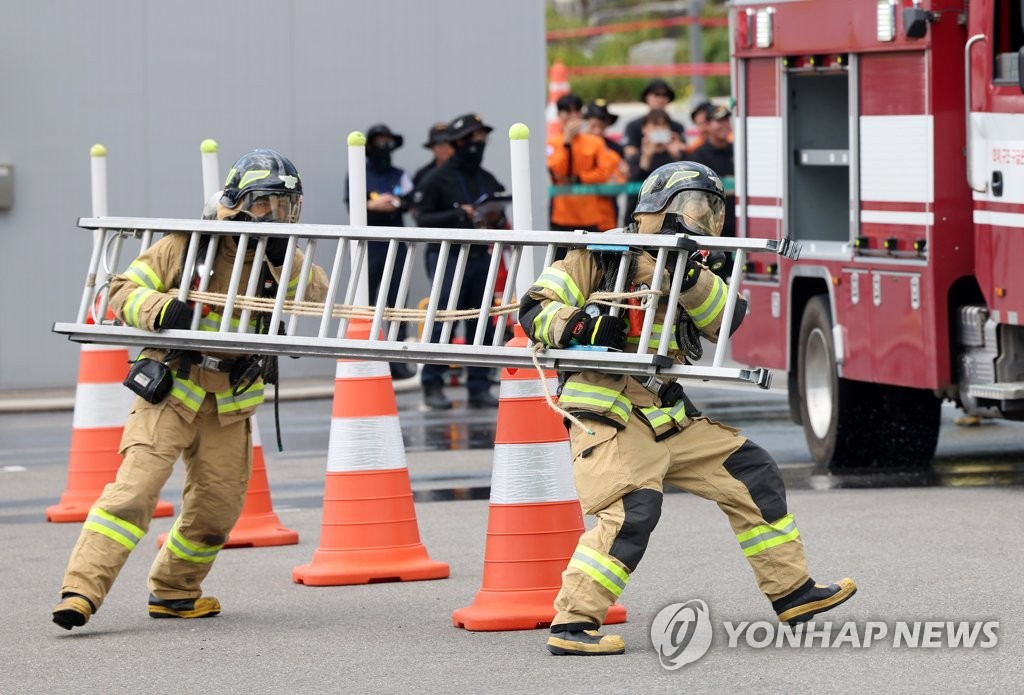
[(469, 156), (379, 159)]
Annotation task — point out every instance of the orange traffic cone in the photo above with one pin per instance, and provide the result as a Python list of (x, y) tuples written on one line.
[(101, 409), (369, 531), (535, 518), (258, 526), (558, 87)]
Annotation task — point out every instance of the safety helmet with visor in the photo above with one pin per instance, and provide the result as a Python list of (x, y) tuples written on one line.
[(262, 186), (688, 195)]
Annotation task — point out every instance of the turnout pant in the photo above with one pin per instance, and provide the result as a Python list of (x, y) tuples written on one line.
[(218, 463), (619, 476)]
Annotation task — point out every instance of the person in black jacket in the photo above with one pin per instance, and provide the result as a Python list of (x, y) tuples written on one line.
[(387, 195), (446, 198), (437, 143), (717, 153)]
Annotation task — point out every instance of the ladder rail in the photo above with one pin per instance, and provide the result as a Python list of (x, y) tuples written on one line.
[(354, 241)]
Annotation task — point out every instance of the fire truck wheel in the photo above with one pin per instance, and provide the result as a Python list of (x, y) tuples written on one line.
[(855, 425), (836, 413)]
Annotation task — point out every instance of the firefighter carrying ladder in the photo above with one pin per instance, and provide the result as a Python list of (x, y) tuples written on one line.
[(318, 329)]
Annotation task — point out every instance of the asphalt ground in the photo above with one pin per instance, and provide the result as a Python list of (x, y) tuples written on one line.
[(919, 554)]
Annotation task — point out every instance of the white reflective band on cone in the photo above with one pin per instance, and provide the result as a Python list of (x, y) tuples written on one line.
[(101, 405), (360, 369), (527, 388), (532, 473), (257, 440), (365, 444)]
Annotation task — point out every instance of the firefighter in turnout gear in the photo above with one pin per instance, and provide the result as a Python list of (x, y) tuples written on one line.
[(202, 415), (641, 434)]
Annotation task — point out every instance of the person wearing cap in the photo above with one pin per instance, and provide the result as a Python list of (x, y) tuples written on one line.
[(447, 198), (437, 143), (387, 194), (575, 156), (599, 119), (717, 154), (657, 95), (659, 145), (699, 116)]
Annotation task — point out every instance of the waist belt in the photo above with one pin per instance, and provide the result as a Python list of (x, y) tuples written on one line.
[(214, 364), (654, 384), (651, 383)]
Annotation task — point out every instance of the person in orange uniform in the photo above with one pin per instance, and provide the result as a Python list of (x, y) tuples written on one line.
[(575, 156)]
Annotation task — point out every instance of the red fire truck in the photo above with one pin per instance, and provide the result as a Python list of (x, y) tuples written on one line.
[(887, 138)]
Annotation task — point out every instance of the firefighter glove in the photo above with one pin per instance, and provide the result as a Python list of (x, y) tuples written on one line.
[(276, 248), (603, 329), (670, 393), (176, 314), (691, 271)]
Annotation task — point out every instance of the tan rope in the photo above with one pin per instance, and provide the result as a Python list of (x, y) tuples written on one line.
[(305, 308)]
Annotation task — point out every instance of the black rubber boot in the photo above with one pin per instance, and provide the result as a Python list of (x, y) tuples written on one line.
[(483, 399), (434, 398), (202, 607), (811, 599), (585, 643), (74, 610)]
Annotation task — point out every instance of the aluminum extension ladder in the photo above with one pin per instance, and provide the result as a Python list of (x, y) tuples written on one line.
[(319, 329)]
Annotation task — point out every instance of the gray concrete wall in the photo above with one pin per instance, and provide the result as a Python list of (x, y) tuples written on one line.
[(150, 80)]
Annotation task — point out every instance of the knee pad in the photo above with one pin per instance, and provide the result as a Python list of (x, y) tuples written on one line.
[(757, 470), (643, 510)]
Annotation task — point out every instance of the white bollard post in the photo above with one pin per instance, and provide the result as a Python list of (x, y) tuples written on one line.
[(98, 153), (357, 205), (522, 201), (98, 181), (211, 168)]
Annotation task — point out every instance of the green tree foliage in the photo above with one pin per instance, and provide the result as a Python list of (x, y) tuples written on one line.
[(613, 49)]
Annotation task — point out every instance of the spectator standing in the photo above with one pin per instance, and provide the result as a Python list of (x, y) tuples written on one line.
[(599, 119), (699, 116), (717, 154), (446, 198), (576, 156), (659, 145), (437, 143), (387, 194), (657, 95)]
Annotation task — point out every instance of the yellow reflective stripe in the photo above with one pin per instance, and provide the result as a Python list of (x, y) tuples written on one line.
[(227, 402), (252, 175), (655, 340), (130, 312), (711, 307), (656, 416), (140, 273), (189, 551), (600, 568), (211, 322), (543, 322), (765, 536), (119, 530), (589, 395), (562, 284), (188, 393)]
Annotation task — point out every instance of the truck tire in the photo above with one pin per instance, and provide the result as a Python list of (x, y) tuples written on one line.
[(835, 423), (855, 425)]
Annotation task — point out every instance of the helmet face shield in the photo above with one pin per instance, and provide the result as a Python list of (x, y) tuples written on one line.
[(263, 206), (699, 211)]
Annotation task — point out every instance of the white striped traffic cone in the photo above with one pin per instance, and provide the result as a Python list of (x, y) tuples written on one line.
[(369, 531), (101, 410), (535, 520)]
